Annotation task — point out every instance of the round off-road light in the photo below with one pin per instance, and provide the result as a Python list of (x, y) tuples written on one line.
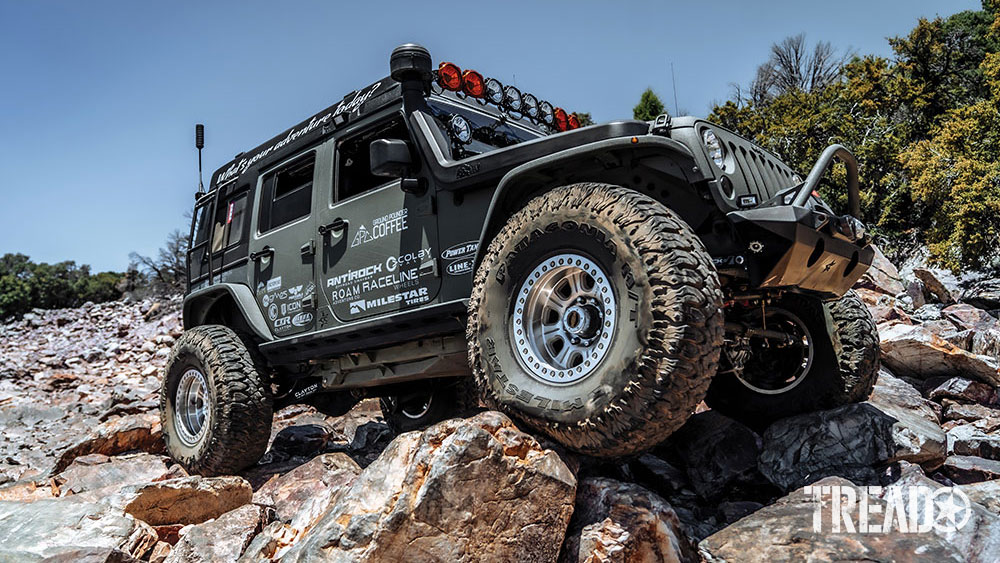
[(450, 76), (494, 91), (512, 98), (460, 128), (472, 84), (714, 148), (562, 120), (530, 104), (546, 113)]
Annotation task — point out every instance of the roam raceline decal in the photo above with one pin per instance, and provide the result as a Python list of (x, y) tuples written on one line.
[(389, 284)]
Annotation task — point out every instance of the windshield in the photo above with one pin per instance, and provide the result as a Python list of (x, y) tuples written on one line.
[(489, 131)]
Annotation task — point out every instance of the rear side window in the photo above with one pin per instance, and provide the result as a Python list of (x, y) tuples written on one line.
[(199, 229), (229, 228), (287, 193)]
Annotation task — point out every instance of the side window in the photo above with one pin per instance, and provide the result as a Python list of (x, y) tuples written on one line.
[(229, 226), (354, 174), (199, 228), (287, 193)]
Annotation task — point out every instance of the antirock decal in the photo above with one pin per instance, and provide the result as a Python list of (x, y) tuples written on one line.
[(460, 250), (459, 267), (381, 227)]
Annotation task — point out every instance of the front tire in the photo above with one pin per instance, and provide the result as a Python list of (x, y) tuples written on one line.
[(215, 405), (596, 319), (839, 366)]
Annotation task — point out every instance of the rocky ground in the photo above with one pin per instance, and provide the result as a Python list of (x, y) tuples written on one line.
[(83, 476)]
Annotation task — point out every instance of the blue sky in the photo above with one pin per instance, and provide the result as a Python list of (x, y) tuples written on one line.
[(98, 100)]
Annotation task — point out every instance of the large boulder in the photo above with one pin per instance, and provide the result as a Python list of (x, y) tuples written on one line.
[(185, 500), (934, 284), (462, 490), (222, 539), (302, 495), (116, 436), (882, 276), (963, 390), (967, 317), (717, 452), (96, 471), (915, 351), (966, 439), (622, 522), (854, 441), (787, 531), (70, 530)]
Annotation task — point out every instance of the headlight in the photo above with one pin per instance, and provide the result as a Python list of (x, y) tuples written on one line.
[(546, 113), (714, 147), (512, 98), (530, 106), (460, 128), (494, 91)]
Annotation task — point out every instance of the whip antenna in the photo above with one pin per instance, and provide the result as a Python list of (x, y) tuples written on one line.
[(199, 143)]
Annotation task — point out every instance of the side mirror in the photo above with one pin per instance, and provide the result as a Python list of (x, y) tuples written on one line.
[(390, 157)]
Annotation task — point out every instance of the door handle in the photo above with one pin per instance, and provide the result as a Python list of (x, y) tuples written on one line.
[(266, 251), (338, 224)]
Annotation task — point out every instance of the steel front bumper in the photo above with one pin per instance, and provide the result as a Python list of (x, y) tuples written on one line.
[(801, 247)]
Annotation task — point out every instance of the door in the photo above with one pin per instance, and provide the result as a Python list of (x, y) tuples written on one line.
[(282, 253), (377, 243)]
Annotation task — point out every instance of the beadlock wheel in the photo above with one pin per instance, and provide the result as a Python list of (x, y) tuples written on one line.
[(564, 319), (192, 402)]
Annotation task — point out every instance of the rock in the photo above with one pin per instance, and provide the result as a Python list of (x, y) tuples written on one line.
[(967, 317), (984, 294), (186, 500), (852, 441), (731, 511), (222, 539), (960, 411), (895, 396), (915, 290), (963, 390), (462, 490), (986, 342), (96, 471), (658, 475), (302, 440), (963, 469), (117, 436), (785, 530), (934, 286), (967, 440), (915, 351), (986, 494), (29, 490), (160, 552), (272, 542), (717, 452), (882, 276), (302, 495), (67, 529), (614, 521)]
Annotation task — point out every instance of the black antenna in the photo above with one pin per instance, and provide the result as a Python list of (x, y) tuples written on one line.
[(674, 81), (199, 143)]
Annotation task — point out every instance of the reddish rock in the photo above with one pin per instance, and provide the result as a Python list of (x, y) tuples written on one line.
[(915, 351), (222, 539), (188, 500), (954, 410), (302, 495), (967, 317), (962, 469), (96, 471), (934, 286), (882, 276), (620, 522), (117, 436), (963, 390)]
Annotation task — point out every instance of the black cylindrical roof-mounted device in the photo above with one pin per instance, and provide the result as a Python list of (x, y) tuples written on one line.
[(199, 143), (410, 65)]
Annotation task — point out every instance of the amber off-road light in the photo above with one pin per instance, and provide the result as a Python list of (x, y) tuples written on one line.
[(450, 76), (473, 84), (573, 121), (562, 120)]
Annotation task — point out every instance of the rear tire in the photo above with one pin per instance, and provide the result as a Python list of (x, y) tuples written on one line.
[(843, 367), (447, 398), (215, 405), (617, 343)]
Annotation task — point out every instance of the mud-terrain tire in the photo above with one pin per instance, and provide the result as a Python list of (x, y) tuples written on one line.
[(447, 398), (843, 369), (657, 310), (215, 404)]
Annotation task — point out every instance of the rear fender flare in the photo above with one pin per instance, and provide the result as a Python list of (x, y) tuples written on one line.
[(199, 302)]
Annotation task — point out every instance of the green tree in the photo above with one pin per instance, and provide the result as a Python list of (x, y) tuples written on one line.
[(649, 106), (584, 118)]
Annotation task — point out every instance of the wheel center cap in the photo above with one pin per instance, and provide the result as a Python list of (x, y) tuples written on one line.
[(581, 320)]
